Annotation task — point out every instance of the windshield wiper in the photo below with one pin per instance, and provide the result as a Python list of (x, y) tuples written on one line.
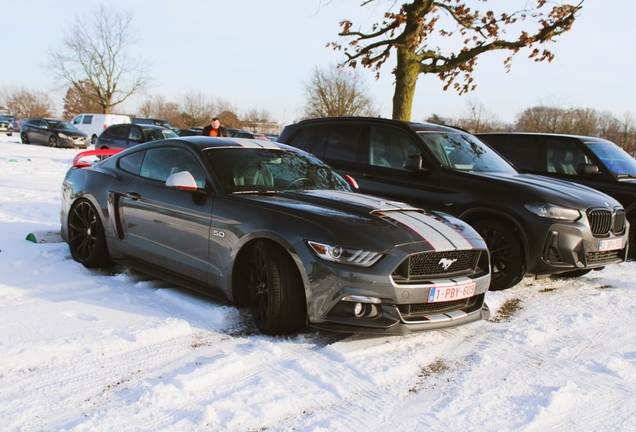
[(256, 192)]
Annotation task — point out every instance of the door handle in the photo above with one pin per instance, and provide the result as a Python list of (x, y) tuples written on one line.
[(133, 196), (370, 175)]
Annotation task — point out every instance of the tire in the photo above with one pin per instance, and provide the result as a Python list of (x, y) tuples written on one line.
[(93, 139), (24, 138), (9, 133), (276, 291), (52, 141), (86, 238), (572, 273), (507, 262)]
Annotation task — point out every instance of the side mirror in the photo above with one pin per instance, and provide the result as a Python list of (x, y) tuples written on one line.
[(588, 169), (413, 163), (182, 180)]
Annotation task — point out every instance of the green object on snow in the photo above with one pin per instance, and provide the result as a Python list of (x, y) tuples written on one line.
[(13, 160), (31, 238)]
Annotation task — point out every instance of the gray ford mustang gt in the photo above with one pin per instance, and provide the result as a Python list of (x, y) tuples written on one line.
[(272, 227)]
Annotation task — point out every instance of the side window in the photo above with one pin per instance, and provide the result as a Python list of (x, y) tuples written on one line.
[(342, 144), (389, 147), (311, 139), (525, 153), (132, 162), (136, 134), (161, 163), (563, 156), (88, 119)]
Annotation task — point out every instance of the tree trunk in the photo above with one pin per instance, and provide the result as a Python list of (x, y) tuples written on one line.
[(406, 74)]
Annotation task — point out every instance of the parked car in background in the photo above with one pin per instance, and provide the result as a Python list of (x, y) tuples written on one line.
[(240, 133), (272, 137), (274, 228), (95, 124), (152, 121), (591, 161), (17, 124), (6, 124), (128, 135), (189, 132), (52, 132), (533, 225)]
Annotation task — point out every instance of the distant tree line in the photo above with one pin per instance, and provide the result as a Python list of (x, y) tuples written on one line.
[(550, 119)]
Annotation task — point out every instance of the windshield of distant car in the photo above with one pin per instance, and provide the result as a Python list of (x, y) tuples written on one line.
[(615, 158), (60, 124), (159, 134), (463, 152), (243, 170)]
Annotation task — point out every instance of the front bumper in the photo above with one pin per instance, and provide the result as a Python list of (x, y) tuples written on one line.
[(564, 247), (384, 306)]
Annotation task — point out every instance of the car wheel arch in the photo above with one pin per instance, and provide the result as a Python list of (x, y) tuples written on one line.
[(238, 286)]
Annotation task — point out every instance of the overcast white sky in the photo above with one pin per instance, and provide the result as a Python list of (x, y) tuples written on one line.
[(258, 53)]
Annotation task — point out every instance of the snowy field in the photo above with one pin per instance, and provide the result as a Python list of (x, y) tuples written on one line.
[(116, 351)]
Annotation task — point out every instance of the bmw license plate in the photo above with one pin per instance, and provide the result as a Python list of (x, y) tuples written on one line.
[(450, 293), (610, 244)]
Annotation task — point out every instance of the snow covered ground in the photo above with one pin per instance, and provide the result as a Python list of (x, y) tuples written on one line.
[(115, 350)]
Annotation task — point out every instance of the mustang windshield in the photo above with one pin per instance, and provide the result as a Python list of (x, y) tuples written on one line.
[(242, 170), (615, 158), (462, 152)]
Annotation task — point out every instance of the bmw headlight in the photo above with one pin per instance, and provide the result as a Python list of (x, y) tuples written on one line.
[(552, 211), (343, 255), (63, 136)]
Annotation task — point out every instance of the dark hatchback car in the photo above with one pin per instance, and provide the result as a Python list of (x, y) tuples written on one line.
[(594, 162), (533, 225), (128, 135), (52, 132), (274, 228)]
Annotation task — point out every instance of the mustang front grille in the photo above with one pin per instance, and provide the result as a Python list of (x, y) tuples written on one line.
[(434, 265)]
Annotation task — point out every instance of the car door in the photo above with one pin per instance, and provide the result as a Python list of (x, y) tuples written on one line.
[(168, 227), (40, 132)]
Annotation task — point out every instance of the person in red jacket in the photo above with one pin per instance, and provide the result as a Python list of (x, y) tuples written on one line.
[(214, 129)]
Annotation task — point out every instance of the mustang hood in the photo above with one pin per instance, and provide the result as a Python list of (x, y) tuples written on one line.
[(382, 219)]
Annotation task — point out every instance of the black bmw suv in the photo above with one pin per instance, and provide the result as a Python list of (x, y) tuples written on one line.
[(533, 225)]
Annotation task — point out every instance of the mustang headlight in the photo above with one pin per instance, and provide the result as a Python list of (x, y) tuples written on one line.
[(344, 255), (552, 211), (63, 136)]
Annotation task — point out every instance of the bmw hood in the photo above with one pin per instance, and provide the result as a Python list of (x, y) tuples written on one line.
[(551, 190), (349, 215)]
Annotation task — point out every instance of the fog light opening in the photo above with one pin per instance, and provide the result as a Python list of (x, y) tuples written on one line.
[(358, 310)]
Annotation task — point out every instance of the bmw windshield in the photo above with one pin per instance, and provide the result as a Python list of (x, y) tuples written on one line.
[(463, 152), (243, 170), (615, 158)]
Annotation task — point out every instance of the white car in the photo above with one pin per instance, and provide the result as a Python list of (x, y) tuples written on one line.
[(94, 124)]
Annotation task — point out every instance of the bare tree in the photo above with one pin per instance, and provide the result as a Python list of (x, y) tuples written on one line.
[(336, 91), (227, 114), (76, 102), (157, 107), (255, 120), (95, 50), (25, 103), (412, 33), (479, 119), (196, 109)]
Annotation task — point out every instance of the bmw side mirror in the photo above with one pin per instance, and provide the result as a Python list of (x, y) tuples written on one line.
[(588, 169), (413, 163)]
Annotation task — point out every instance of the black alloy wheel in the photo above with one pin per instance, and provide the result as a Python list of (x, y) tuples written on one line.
[(52, 141), (24, 138), (506, 254), (86, 236), (276, 297)]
